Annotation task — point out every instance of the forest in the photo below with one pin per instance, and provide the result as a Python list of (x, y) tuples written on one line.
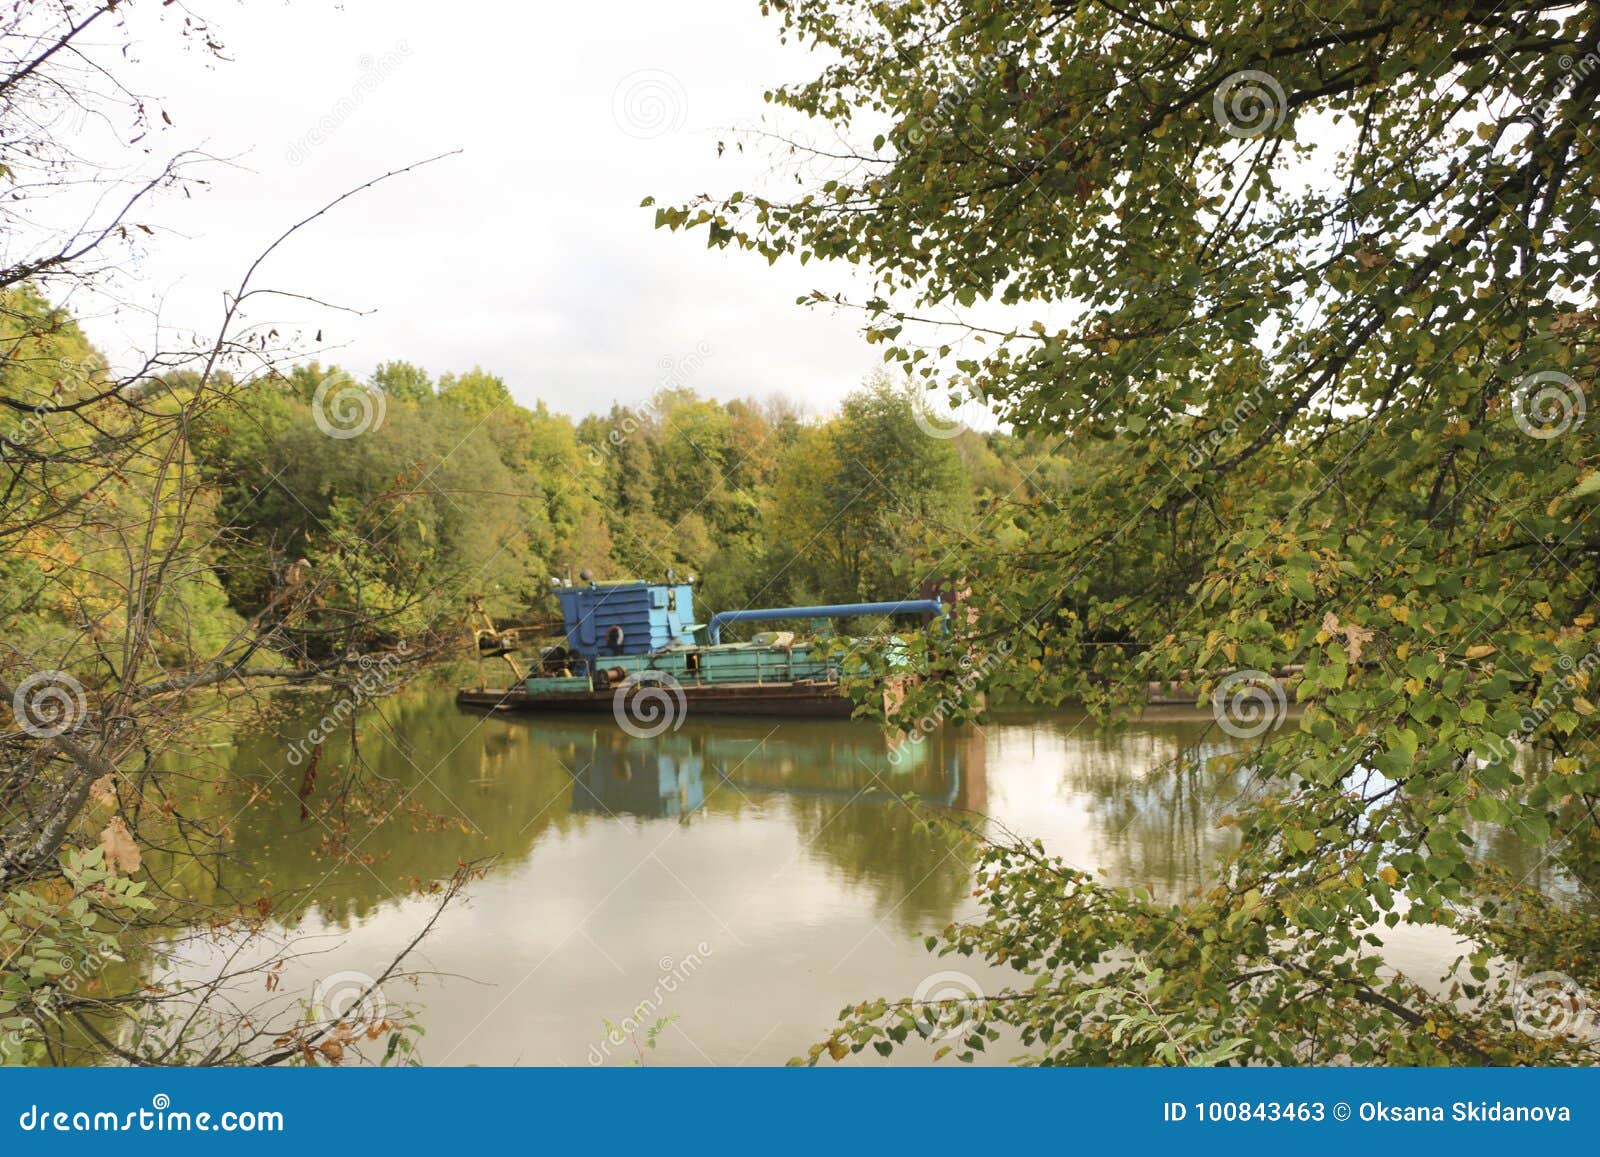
[(435, 492)]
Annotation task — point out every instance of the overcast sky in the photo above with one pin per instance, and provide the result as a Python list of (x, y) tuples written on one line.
[(528, 253)]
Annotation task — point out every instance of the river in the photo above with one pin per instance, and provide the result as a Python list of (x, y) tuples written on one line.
[(742, 880)]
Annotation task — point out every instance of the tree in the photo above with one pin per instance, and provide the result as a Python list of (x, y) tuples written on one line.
[(1328, 290), (116, 645), (477, 392), (859, 498), (403, 380)]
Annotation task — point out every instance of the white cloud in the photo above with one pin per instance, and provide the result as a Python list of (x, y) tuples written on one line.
[(528, 253)]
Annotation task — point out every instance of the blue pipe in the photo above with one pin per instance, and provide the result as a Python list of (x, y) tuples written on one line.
[(834, 611)]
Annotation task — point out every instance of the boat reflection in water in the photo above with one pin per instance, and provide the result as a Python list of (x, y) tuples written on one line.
[(673, 774)]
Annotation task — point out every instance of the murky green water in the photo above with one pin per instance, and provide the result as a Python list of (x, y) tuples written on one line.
[(747, 878)]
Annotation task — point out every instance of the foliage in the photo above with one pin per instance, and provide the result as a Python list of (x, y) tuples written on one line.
[(54, 943), (650, 1039), (1315, 293), (862, 497), (120, 633)]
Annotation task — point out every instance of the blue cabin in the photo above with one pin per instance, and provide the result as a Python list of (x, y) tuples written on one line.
[(626, 618)]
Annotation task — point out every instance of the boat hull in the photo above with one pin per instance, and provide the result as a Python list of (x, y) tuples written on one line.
[(816, 700)]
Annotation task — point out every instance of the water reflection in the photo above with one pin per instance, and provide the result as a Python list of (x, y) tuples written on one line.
[(462, 787), (1139, 804), (671, 774), (784, 847)]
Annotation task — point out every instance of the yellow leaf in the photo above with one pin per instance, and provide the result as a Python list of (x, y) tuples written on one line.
[(837, 1049), (1582, 706), (1388, 875), (1479, 650)]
